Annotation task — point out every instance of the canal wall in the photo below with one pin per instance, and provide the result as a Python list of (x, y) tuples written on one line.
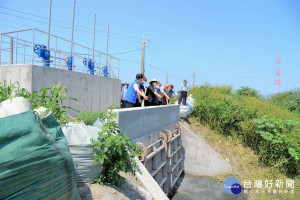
[(199, 158), (157, 131)]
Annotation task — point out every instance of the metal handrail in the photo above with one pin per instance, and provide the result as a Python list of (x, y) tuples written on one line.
[(15, 47)]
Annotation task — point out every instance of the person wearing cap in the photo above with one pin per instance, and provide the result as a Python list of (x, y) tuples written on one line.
[(184, 88), (151, 93), (164, 94), (133, 91), (158, 91), (171, 92)]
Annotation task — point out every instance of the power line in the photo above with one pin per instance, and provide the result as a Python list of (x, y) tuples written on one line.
[(84, 31), (147, 64), (122, 35), (167, 53), (126, 52), (170, 61)]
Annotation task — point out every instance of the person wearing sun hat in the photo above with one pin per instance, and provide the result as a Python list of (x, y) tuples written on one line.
[(151, 93)]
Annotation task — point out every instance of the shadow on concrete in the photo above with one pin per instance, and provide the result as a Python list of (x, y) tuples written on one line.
[(96, 191), (85, 192), (176, 186), (187, 120)]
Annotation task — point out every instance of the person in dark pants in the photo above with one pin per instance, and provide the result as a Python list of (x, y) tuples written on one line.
[(165, 94), (158, 91), (152, 94), (133, 91), (184, 88), (140, 98)]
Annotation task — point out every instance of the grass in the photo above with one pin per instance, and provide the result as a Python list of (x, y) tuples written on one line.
[(245, 163)]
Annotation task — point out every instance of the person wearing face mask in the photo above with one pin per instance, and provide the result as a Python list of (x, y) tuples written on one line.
[(158, 91), (140, 98), (152, 94), (133, 91)]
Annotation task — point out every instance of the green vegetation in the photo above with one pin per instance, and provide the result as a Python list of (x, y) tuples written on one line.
[(89, 118), (51, 98), (272, 132), (289, 100), (247, 91), (115, 153)]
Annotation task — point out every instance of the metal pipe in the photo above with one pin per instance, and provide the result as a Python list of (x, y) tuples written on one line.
[(11, 50), (74, 2), (49, 23), (55, 52), (24, 53), (99, 63), (0, 47), (16, 31), (17, 49), (33, 38), (107, 44), (87, 61), (94, 37)]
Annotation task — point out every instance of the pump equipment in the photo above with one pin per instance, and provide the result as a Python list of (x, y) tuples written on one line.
[(105, 71), (41, 51), (90, 65), (69, 61)]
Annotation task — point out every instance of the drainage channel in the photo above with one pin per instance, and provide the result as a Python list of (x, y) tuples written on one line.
[(201, 188)]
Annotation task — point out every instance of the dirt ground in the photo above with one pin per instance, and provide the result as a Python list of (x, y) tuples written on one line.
[(133, 189)]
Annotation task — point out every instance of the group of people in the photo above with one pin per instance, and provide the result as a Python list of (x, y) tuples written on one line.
[(155, 94)]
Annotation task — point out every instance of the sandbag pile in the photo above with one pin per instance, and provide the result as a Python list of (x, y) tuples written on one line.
[(186, 110), (35, 162), (79, 140)]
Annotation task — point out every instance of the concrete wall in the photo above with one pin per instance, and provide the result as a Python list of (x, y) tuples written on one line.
[(94, 93), (138, 122), (199, 158), (157, 131)]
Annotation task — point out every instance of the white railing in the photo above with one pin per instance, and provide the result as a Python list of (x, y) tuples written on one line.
[(17, 47)]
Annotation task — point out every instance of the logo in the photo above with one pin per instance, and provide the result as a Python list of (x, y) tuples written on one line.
[(232, 186)]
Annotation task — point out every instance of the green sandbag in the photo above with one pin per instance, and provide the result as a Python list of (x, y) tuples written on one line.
[(35, 162)]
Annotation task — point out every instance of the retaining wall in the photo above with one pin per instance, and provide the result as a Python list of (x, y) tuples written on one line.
[(94, 93), (199, 158)]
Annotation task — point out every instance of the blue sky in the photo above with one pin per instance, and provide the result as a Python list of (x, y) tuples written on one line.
[(227, 42)]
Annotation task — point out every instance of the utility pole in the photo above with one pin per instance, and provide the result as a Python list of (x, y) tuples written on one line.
[(49, 24), (167, 79), (94, 37), (107, 44), (194, 74), (74, 2), (143, 54)]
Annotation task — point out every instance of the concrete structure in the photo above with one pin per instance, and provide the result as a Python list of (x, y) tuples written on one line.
[(199, 158), (139, 122), (157, 131), (168, 146), (150, 184), (94, 93)]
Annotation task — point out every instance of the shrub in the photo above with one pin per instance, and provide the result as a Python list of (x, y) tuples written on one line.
[(89, 118), (269, 130), (247, 91), (51, 98), (289, 100), (115, 153)]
